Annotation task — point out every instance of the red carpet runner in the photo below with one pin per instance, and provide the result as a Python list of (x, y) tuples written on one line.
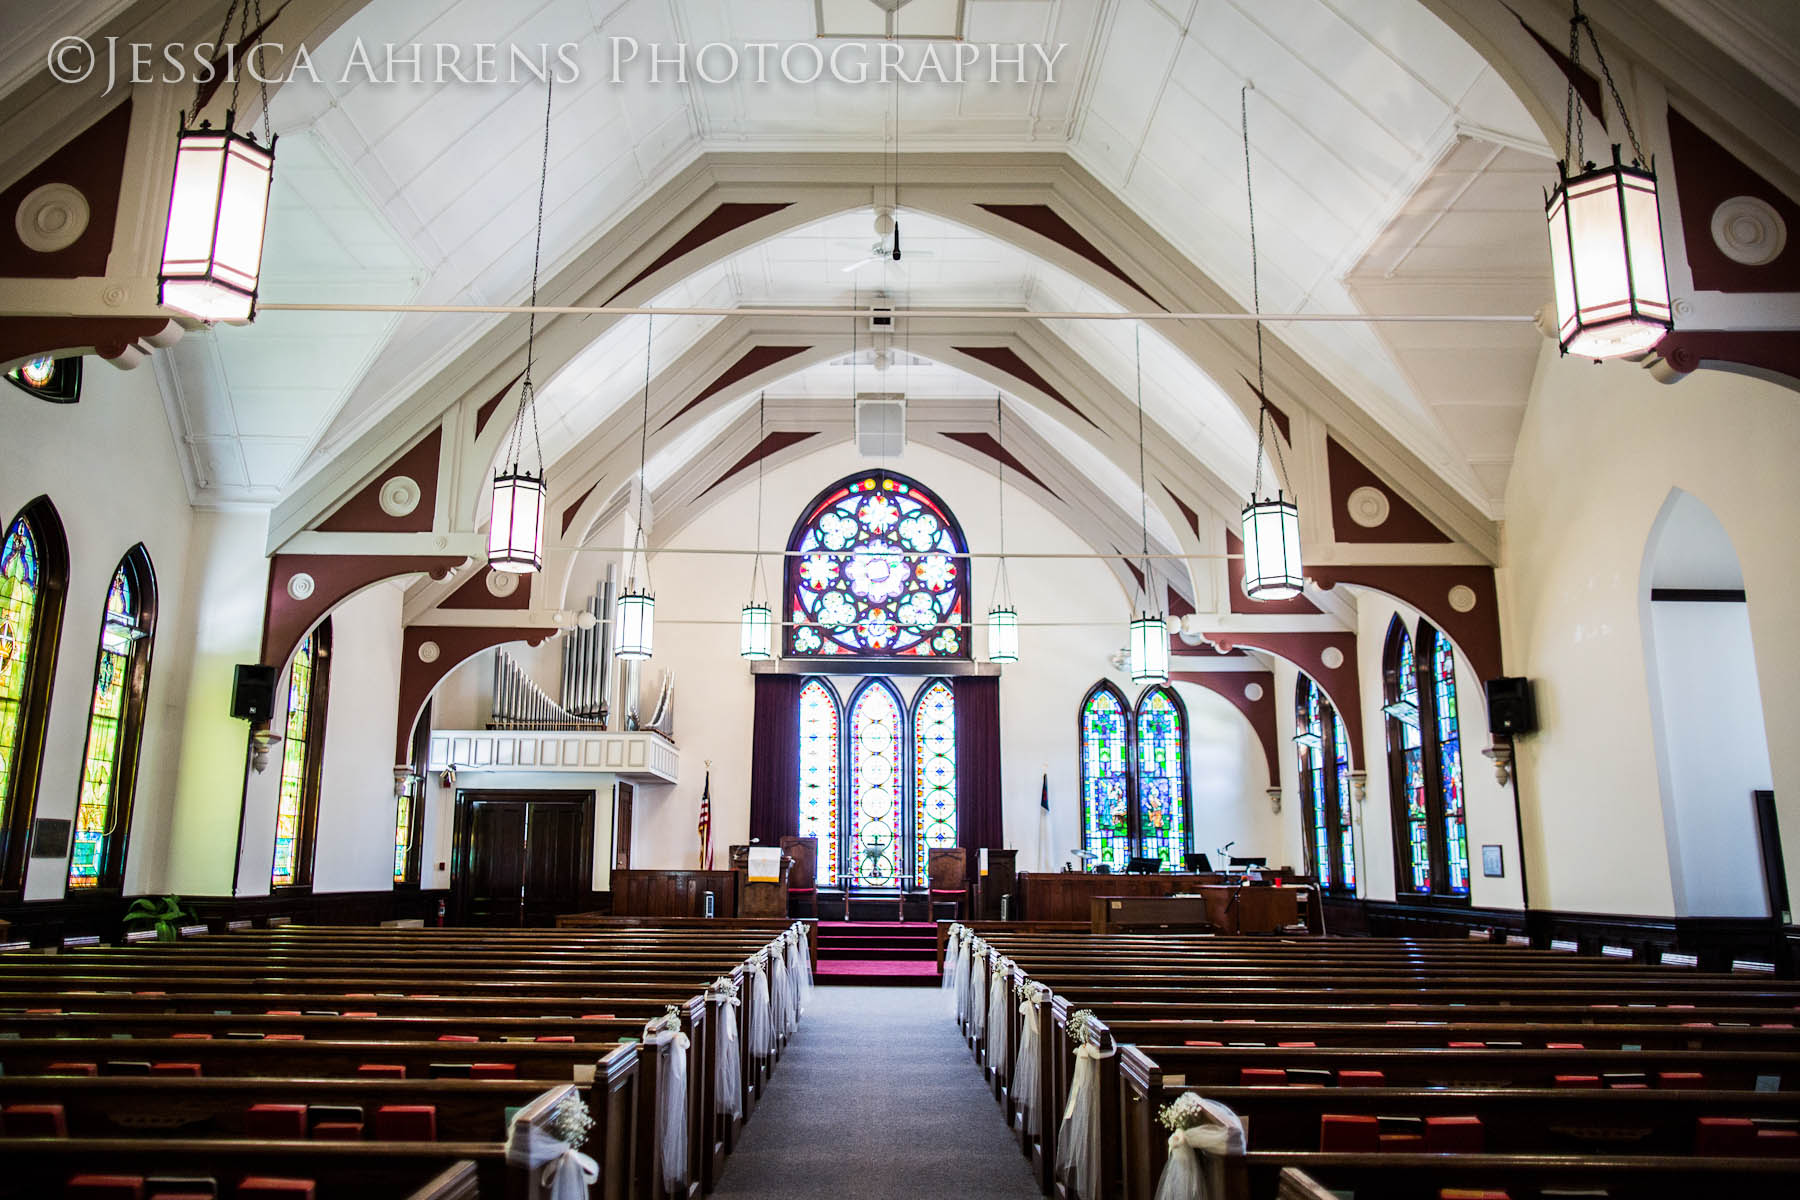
[(875, 952)]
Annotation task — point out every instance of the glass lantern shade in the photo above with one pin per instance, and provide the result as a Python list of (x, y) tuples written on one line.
[(1272, 549), (218, 206), (516, 530), (635, 621), (1606, 253), (756, 632), (1003, 634), (1149, 648)]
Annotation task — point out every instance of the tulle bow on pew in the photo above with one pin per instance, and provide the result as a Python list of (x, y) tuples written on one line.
[(1025, 1070), (996, 1015), (664, 1033), (952, 963), (978, 978), (799, 969), (728, 1076), (781, 990), (1078, 1138), (762, 1020), (1193, 1136), (554, 1168)]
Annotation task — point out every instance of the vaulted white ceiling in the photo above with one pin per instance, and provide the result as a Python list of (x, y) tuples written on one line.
[(427, 192)]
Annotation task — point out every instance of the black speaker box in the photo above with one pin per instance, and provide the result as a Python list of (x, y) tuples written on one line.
[(1511, 707), (253, 692)]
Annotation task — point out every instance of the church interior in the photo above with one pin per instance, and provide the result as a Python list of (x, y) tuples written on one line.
[(1023, 532)]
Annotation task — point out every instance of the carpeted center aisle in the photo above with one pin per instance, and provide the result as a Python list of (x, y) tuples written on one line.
[(877, 1098)]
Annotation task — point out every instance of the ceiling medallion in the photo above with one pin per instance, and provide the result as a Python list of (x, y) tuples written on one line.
[(300, 586), (1332, 657), (1253, 692), (429, 652), (1462, 598), (1369, 506), (52, 217), (502, 583), (1749, 231), (400, 495)]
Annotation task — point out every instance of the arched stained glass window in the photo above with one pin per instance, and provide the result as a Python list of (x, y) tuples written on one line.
[(1449, 758), (934, 771), (819, 756), (115, 727), (1425, 776), (1162, 777), (302, 748), (33, 573), (877, 571), (876, 779), (1324, 763), (1106, 777)]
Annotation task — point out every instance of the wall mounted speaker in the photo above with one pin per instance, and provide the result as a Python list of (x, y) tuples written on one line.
[(253, 692), (1512, 709)]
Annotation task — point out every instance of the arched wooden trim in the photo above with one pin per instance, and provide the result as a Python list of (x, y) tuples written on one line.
[(40, 517), (1259, 712)]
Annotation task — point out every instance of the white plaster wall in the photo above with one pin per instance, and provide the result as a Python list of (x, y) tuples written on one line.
[(109, 466), (1704, 682), (1600, 449), (1488, 805)]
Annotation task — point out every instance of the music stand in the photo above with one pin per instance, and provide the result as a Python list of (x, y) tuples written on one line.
[(1197, 864), (1143, 866)]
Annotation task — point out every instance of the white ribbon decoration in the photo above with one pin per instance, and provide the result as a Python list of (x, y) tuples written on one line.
[(1025, 1070), (728, 1065), (554, 1170), (996, 1016), (1185, 1175), (951, 949), (1078, 1140), (779, 991), (978, 993), (671, 1109), (962, 976), (762, 1021), (800, 968)]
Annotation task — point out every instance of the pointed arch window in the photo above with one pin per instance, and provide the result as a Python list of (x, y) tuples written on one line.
[(1425, 779), (820, 753), (1324, 750), (1135, 799), (34, 572), (115, 728), (877, 776), (877, 569), (934, 771), (302, 757)]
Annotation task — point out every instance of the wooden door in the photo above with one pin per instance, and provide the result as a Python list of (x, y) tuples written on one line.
[(622, 827), (521, 857)]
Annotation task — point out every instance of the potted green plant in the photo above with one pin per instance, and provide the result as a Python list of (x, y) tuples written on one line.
[(166, 914)]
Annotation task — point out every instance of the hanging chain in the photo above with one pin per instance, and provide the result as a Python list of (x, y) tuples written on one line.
[(756, 541), (643, 461), (1637, 151), (1573, 131), (1002, 592), (1137, 336), (1574, 126), (263, 84), (1262, 391)]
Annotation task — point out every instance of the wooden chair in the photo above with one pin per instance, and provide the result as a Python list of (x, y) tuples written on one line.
[(803, 874), (948, 870)]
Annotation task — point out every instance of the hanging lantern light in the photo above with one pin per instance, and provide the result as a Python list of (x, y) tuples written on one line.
[(1003, 634), (218, 209), (635, 613), (1271, 527), (1606, 252), (756, 626), (516, 523), (1003, 619), (1149, 648), (1272, 548)]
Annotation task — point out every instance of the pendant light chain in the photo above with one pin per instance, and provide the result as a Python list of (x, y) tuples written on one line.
[(643, 463), (1262, 391), (1574, 127), (527, 390), (1002, 593), (756, 540), (1137, 334)]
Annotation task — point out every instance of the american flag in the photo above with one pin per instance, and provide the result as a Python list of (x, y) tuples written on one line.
[(705, 826)]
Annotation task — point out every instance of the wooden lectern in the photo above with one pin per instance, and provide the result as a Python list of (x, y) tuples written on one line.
[(758, 898), (1000, 879)]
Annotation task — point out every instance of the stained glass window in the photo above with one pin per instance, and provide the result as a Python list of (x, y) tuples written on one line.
[(301, 745), (402, 835), (21, 575), (1106, 778), (819, 775), (934, 771), (1162, 777), (33, 575), (1450, 781), (876, 571), (1324, 762), (57, 380), (876, 777), (115, 721), (1406, 761)]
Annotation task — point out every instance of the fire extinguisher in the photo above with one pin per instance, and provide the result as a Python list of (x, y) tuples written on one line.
[(440, 912)]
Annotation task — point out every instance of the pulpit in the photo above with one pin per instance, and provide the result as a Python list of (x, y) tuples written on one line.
[(996, 874), (764, 891)]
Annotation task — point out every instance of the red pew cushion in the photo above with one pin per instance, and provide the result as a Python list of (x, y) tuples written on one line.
[(175, 1068), (457, 1037), (275, 1120), (72, 1068), (1725, 1136), (406, 1123), (193, 1037), (557, 1037), (1471, 1194), (1361, 1079), (1454, 1135), (382, 1071), (1191, 1042), (1577, 1081), (1261, 1077), (1688, 1080), (35, 1120), (266, 1187), (1778, 1143), (1348, 1134), (105, 1187), (493, 1071)]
